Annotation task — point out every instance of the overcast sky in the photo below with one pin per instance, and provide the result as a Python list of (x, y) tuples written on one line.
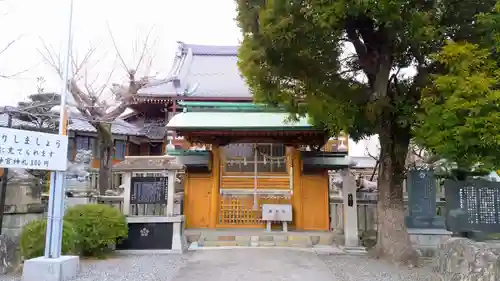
[(36, 23)]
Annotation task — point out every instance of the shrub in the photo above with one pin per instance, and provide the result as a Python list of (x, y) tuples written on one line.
[(33, 239), (99, 227)]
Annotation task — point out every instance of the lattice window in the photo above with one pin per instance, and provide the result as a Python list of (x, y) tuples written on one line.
[(239, 210), (246, 157)]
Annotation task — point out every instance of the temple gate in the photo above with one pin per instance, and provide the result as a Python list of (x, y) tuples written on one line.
[(252, 156)]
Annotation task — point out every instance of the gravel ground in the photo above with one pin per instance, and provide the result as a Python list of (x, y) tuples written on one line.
[(244, 265), (359, 268), (127, 268)]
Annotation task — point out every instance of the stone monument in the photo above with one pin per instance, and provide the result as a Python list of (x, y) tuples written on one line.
[(425, 227)]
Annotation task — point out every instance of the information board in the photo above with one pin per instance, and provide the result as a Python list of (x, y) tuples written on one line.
[(33, 150), (148, 190)]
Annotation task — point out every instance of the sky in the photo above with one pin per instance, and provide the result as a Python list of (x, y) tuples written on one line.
[(37, 25)]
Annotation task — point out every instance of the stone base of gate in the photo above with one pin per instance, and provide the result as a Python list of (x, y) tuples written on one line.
[(154, 234), (426, 241)]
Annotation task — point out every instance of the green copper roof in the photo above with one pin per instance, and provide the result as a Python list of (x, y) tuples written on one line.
[(228, 107), (237, 121)]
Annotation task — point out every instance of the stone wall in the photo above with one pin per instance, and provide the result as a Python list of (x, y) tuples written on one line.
[(22, 206), (14, 223), (10, 258), (461, 259)]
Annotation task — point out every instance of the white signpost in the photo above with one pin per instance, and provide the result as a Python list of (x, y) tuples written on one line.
[(52, 266), (33, 150)]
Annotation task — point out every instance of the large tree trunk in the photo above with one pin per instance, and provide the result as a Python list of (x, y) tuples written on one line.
[(105, 142), (393, 241)]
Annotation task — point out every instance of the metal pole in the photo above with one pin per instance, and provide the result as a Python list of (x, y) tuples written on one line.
[(4, 181), (56, 197)]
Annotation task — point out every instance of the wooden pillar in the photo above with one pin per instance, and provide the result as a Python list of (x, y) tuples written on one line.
[(214, 194), (297, 189)]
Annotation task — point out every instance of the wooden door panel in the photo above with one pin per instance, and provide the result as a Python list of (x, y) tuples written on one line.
[(197, 201), (315, 202)]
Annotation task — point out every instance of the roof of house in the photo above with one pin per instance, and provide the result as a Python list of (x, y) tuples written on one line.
[(79, 124), (202, 71)]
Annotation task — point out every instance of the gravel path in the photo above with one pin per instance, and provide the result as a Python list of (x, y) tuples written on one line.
[(244, 265)]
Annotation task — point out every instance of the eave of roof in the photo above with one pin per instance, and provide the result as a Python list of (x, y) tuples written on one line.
[(260, 121), (78, 124), (190, 106)]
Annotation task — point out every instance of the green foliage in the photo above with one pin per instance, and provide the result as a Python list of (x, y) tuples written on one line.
[(32, 242), (343, 64), (99, 226), (460, 119), (293, 54)]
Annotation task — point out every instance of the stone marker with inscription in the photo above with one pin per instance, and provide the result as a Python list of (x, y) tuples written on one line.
[(422, 201), (473, 205), (159, 231)]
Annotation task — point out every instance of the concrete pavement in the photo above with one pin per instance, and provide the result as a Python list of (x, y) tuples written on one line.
[(287, 264)]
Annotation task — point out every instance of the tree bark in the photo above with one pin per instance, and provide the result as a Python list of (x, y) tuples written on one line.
[(393, 241), (105, 143)]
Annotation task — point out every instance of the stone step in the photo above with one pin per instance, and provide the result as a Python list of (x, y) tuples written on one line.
[(213, 239)]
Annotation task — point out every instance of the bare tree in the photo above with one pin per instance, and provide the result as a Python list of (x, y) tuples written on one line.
[(92, 103), (38, 110), (38, 114)]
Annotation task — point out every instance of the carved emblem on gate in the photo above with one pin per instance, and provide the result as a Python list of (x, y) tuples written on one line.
[(144, 232)]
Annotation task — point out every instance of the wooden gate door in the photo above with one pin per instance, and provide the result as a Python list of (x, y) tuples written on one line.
[(315, 202), (197, 201)]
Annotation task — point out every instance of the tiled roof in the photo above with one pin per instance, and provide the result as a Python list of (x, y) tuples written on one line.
[(202, 71), (210, 50), (153, 131), (78, 124), (119, 127)]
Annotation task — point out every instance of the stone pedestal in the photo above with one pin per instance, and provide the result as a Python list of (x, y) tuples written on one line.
[(427, 241), (154, 233), (428, 238), (179, 243), (43, 269)]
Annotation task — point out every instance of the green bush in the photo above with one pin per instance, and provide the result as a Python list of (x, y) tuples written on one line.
[(98, 225), (33, 239)]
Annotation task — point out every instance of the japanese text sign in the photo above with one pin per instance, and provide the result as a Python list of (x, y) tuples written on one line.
[(33, 150)]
